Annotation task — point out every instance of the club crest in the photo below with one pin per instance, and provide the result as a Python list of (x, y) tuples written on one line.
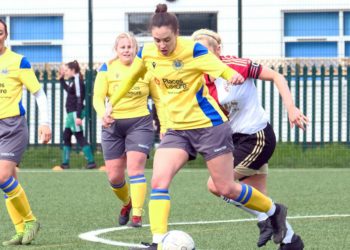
[(178, 64)]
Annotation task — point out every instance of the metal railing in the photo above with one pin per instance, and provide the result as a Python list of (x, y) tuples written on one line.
[(321, 92)]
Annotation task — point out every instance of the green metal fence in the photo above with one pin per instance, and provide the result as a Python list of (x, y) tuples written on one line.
[(323, 93)]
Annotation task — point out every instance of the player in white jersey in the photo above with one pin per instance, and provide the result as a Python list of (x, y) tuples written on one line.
[(253, 137)]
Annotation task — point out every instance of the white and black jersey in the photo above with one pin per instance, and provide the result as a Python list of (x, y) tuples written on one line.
[(240, 102)]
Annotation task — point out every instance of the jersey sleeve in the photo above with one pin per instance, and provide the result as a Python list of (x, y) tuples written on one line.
[(78, 91), (100, 91), (28, 77), (137, 70), (210, 64), (244, 66)]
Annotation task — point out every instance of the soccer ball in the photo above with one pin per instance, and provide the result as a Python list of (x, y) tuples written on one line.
[(177, 240)]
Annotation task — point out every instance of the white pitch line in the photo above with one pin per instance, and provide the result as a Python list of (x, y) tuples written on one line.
[(186, 170), (93, 235)]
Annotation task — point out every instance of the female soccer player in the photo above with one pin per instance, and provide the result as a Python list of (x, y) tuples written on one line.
[(75, 89), (195, 121), (253, 137), (16, 73), (127, 136)]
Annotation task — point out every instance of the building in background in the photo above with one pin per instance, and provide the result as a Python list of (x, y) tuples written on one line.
[(57, 30), (275, 33)]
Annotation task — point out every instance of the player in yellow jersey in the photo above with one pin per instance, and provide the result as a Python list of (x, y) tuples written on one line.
[(195, 122), (16, 73), (127, 136)]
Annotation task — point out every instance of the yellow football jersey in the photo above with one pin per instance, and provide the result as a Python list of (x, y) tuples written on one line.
[(108, 79), (15, 72), (179, 77)]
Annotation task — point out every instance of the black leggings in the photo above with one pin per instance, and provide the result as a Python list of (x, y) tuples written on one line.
[(67, 136)]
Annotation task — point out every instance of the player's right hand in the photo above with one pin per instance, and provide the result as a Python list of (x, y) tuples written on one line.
[(107, 119), (44, 134), (296, 117)]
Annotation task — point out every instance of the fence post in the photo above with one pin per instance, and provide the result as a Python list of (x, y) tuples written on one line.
[(340, 101), (53, 111), (348, 105), (272, 101), (86, 111), (322, 103), (331, 78), (89, 109), (305, 75), (280, 70), (297, 98), (61, 113), (28, 109), (93, 113), (289, 79), (36, 120), (313, 121)]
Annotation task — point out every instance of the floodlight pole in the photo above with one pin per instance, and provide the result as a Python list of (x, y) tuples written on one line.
[(91, 116), (90, 37), (240, 45)]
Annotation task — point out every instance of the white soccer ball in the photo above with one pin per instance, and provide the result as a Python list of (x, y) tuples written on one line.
[(177, 240)]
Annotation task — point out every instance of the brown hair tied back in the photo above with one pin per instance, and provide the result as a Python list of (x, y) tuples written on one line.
[(5, 25), (161, 8), (163, 18), (74, 65)]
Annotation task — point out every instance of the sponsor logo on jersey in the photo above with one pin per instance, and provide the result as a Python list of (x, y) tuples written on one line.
[(178, 64), (117, 75), (154, 65), (231, 106), (174, 84), (3, 90)]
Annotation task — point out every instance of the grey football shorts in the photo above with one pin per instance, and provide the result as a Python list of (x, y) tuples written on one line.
[(13, 138), (209, 142), (131, 134)]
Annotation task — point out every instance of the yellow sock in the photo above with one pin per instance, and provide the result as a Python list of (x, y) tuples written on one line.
[(122, 192), (18, 198), (253, 199), (159, 209), (138, 189), (16, 218)]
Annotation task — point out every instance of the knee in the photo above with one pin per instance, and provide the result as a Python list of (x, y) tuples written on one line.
[(136, 167), (160, 182), (115, 175), (229, 190), (80, 138), (5, 175)]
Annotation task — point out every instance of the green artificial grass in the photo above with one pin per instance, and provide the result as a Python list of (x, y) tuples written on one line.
[(72, 202)]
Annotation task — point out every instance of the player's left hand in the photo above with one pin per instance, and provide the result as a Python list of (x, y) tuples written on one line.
[(296, 117), (79, 122), (44, 134), (237, 79)]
